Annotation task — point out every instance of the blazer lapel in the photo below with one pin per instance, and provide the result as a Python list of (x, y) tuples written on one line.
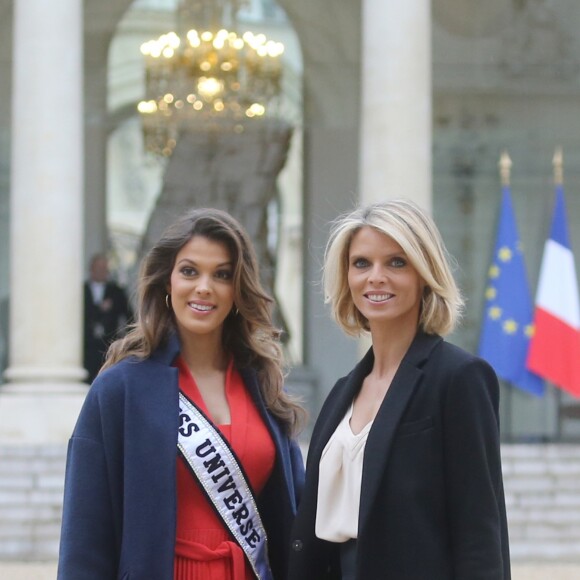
[(280, 439), (380, 439), (336, 406)]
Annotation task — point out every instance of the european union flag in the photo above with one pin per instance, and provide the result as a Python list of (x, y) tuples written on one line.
[(507, 321)]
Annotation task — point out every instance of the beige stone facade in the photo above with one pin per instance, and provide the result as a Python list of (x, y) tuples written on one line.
[(387, 101)]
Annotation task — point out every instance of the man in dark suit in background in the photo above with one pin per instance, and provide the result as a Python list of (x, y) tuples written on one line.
[(106, 312)]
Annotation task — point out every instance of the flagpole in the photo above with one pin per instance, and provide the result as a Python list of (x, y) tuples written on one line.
[(505, 167), (558, 172)]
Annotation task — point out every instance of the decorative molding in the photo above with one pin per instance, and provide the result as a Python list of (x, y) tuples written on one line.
[(472, 18), (535, 44)]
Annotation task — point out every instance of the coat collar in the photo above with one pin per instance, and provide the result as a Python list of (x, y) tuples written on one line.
[(343, 395), (169, 349), (167, 353), (278, 434), (380, 439), (381, 435)]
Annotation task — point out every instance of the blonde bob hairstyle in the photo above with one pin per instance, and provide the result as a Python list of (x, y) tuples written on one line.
[(416, 233)]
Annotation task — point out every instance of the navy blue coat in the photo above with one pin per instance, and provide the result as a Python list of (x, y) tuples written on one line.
[(432, 501), (119, 515)]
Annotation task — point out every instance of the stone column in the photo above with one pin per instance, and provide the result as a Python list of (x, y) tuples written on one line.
[(395, 135), (43, 394)]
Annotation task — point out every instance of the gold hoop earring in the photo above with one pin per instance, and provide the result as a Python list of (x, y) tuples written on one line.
[(167, 302)]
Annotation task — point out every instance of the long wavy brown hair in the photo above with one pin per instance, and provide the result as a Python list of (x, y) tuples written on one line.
[(248, 335)]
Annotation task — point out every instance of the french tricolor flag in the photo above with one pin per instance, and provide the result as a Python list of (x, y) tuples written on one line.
[(555, 346)]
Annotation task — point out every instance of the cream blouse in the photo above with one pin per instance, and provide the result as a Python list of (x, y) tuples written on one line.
[(339, 483)]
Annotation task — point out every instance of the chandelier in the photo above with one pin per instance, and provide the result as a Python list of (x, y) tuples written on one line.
[(206, 73)]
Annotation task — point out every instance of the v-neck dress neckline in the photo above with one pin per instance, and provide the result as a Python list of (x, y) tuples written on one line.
[(235, 430), (204, 548)]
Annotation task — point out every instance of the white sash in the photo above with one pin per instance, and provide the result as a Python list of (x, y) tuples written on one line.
[(217, 468)]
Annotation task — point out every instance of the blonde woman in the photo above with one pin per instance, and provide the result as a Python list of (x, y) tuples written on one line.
[(403, 478), (182, 463)]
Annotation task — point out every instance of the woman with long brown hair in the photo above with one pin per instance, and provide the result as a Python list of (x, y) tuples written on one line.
[(182, 463)]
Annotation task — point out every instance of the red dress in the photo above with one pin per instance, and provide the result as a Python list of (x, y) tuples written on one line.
[(204, 548)]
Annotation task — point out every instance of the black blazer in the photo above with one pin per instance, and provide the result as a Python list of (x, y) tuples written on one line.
[(432, 502)]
